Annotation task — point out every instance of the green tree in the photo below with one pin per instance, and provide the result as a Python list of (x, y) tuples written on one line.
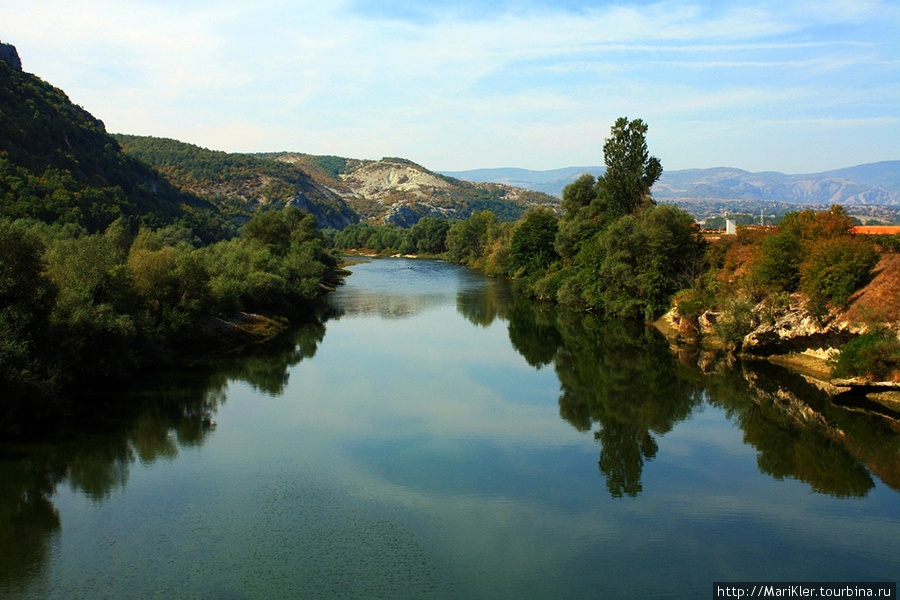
[(531, 248), (630, 170), (469, 240), (835, 268), (634, 267), (26, 300), (778, 265), (809, 226), (272, 229), (429, 235), (578, 222)]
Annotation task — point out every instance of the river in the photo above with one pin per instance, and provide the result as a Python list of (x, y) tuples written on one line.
[(433, 435)]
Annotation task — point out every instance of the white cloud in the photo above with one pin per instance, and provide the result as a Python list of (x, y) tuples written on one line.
[(456, 87)]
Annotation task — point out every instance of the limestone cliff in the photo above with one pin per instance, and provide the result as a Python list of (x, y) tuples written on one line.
[(400, 192)]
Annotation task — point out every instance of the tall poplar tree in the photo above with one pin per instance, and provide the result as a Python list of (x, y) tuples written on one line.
[(630, 170)]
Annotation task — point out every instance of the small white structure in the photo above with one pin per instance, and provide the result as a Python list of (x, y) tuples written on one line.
[(730, 227)]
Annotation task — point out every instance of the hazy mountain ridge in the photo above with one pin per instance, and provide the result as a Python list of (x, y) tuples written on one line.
[(549, 182), (867, 184)]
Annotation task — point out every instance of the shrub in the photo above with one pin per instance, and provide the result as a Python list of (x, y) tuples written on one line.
[(735, 322), (835, 268), (875, 354), (778, 266)]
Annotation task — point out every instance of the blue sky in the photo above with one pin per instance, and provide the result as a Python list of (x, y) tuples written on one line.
[(793, 86)]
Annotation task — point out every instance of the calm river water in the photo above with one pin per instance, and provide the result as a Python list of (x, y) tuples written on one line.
[(434, 436)]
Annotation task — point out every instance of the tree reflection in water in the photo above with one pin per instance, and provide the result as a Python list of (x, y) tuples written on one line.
[(625, 380), (174, 411), (621, 380)]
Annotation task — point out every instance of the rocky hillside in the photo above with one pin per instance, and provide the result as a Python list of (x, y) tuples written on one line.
[(789, 334), (338, 191), (399, 191), (239, 182), (791, 329)]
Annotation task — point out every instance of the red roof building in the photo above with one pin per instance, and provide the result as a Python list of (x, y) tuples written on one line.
[(876, 229)]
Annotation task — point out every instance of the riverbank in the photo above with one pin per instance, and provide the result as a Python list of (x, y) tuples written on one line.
[(811, 357)]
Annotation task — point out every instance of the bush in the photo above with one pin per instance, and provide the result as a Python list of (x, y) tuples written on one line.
[(778, 266), (835, 268), (875, 354), (735, 322)]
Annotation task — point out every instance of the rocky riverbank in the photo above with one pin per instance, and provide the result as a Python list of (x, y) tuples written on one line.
[(788, 335)]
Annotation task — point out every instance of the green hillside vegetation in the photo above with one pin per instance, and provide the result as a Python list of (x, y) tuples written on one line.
[(106, 268), (237, 183), (58, 164), (100, 306)]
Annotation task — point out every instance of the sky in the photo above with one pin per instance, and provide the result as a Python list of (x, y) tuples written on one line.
[(796, 86)]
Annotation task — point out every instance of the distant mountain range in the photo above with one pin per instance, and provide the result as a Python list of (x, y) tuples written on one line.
[(874, 184)]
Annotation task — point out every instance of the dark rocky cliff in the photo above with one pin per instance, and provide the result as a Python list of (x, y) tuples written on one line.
[(8, 53)]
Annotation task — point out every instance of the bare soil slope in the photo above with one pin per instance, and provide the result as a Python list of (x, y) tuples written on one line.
[(879, 301)]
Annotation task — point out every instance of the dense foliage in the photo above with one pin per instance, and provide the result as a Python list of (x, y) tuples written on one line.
[(613, 251), (58, 164), (78, 306), (428, 237)]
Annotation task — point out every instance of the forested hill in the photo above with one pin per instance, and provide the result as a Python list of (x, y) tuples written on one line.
[(58, 163), (337, 190), (240, 182)]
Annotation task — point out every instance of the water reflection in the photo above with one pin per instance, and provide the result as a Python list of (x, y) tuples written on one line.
[(400, 289), (624, 381), (176, 411), (799, 433), (620, 378), (620, 381)]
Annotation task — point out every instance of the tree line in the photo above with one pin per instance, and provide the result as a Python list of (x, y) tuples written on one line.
[(614, 252), (77, 306)]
